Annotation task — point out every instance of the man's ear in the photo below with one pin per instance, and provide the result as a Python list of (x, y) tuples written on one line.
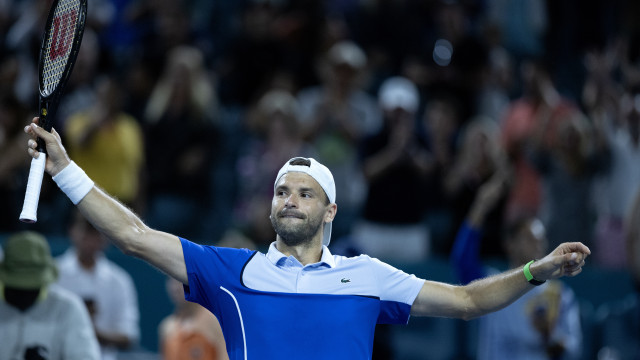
[(332, 209)]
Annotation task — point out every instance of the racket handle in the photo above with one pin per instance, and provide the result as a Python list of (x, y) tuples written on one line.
[(34, 184)]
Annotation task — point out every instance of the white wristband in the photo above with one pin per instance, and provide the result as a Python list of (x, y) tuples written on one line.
[(74, 182)]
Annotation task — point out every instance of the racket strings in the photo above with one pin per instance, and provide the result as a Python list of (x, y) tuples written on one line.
[(59, 44)]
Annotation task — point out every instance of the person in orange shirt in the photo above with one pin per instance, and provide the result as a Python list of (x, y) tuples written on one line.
[(541, 106)]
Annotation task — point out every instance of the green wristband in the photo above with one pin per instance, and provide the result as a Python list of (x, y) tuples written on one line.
[(529, 277)]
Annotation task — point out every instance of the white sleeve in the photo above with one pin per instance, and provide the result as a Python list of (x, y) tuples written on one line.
[(396, 285)]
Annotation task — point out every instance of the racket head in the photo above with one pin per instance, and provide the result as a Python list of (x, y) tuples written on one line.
[(58, 51)]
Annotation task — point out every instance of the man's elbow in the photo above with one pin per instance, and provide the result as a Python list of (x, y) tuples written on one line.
[(133, 241), (470, 309)]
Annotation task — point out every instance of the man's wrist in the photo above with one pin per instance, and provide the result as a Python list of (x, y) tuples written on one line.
[(530, 278), (74, 182), (57, 168)]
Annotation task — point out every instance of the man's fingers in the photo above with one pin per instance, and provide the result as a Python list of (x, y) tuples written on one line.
[(40, 131), (571, 266), (573, 259), (573, 272), (572, 247), (55, 134), (573, 263), (33, 153)]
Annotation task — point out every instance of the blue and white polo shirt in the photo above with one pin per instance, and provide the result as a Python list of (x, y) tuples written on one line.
[(270, 306)]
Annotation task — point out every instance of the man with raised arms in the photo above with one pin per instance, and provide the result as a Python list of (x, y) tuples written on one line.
[(297, 300)]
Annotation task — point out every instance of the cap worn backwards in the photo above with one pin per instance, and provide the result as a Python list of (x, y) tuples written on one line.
[(321, 174)]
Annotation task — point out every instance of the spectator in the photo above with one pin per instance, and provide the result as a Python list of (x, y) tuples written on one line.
[(22, 39), (40, 321), (80, 91), (109, 142), (274, 137), (339, 105), (544, 323), (181, 139), (620, 326), (395, 161), (107, 290), (540, 102), (496, 82), (440, 125), (479, 157), (568, 168), (620, 179), (253, 56), (336, 115)]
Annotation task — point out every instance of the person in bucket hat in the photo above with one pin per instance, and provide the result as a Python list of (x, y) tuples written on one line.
[(27, 262), (39, 320)]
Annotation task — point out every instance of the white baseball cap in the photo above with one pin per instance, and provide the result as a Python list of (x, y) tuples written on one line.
[(320, 174), (399, 92)]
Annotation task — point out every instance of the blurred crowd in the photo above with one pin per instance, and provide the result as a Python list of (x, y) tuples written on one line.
[(185, 111)]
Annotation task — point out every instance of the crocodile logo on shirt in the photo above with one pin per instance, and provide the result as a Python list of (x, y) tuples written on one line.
[(344, 280)]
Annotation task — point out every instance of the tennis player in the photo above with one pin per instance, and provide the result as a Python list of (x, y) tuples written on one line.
[(297, 300)]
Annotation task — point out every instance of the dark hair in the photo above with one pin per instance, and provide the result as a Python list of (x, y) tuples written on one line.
[(300, 161)]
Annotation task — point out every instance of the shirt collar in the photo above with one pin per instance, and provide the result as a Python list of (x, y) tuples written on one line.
[(281, 260)]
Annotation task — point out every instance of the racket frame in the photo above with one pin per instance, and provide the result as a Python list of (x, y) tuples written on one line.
[(48, 103)]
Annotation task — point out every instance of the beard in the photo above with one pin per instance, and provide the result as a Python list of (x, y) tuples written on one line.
[(298, 232)]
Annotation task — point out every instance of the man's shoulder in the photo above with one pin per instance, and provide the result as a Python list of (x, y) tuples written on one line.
[(211, 255)]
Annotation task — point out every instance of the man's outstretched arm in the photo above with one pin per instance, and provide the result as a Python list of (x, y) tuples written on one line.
[(493, 293), (111, 218)]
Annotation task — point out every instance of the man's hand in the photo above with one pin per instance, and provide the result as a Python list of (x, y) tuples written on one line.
[(57, 158), (566, 260)]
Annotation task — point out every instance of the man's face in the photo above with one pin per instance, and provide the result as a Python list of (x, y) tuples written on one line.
[(298, 209)]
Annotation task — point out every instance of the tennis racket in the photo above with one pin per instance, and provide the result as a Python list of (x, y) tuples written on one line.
[(58, 52)]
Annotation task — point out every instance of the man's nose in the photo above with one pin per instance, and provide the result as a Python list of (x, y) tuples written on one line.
[(291, 201)]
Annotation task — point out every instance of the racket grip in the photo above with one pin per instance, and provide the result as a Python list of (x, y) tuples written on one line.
[(34, 184)]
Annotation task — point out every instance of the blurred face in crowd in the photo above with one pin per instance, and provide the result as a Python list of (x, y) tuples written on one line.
[(298, 209), (88, 242), (440, 119), (534, 79), (528, 242)]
